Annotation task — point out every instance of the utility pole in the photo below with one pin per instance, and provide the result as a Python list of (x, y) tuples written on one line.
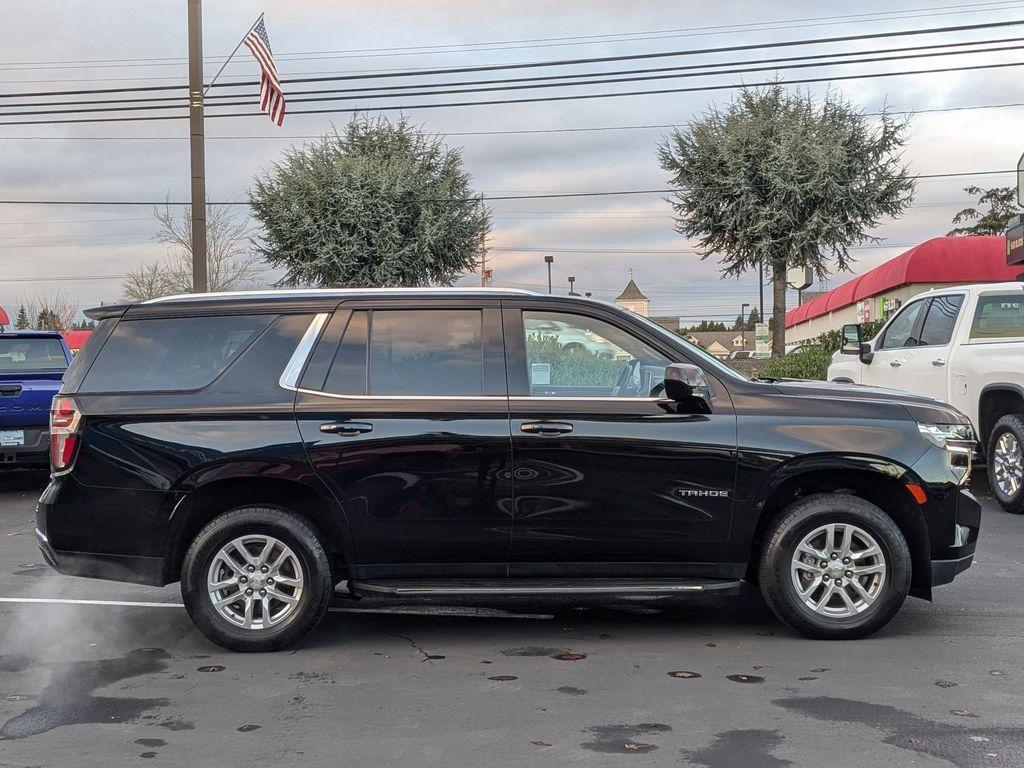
[(196, 144), (549, 260), (484, 272), (760, 285)]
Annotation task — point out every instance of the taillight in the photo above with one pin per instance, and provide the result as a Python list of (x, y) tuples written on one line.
[(65, 419)]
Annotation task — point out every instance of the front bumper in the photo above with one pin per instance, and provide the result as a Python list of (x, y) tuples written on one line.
[(949, 561)]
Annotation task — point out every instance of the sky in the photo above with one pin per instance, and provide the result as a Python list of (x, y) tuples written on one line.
[(599, 240)]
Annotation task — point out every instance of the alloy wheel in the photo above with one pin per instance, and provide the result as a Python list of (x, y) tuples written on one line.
[(255, 582), (1009, 471), (838, 570)]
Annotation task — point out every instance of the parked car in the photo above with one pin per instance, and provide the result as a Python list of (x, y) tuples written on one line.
[(963, 345), (267, 448), (31, 366), (742, 354)]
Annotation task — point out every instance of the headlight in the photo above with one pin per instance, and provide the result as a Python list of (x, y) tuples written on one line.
[(942, 434)]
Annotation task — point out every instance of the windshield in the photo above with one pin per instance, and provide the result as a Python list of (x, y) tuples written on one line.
[(697, 352), (30, 354)]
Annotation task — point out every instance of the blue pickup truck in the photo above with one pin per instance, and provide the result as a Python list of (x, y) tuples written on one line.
[(31, 366)]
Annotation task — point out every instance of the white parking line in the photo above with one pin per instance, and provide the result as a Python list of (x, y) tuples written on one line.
[(70, 601)]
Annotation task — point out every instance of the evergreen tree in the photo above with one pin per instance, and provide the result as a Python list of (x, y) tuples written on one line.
[(781, 180), (21, 322)]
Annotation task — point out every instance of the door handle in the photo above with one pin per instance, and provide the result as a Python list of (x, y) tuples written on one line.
[(346, 428), (895, 363), (546, 427), (938, 361)]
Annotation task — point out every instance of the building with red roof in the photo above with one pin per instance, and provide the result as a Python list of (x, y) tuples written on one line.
[(874, 295)]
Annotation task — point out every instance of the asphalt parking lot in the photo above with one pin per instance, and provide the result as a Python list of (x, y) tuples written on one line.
[(538, 682)]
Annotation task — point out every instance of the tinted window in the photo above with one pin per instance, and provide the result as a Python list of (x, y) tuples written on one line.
[(900, 331), (171, 354), (411, 352), (28, 354), (348, 371), (577, 356), (938, 324), (999, 316)]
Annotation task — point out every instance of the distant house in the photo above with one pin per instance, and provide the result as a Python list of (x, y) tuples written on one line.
[(721, 343), (632, 299)]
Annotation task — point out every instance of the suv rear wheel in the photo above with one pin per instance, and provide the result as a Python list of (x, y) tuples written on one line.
[(256, 579), (1005, 465), (834, 567)]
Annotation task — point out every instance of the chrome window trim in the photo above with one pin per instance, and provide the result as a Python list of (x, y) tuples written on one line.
[(517, 399), (290, 376)]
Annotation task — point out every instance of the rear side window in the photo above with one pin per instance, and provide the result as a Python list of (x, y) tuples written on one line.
[(940, 321), (24, 354), (171, 354), (999, 316), (412, 352)]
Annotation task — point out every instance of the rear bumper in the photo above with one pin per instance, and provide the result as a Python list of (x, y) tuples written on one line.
[(34, 454), (136, 570)]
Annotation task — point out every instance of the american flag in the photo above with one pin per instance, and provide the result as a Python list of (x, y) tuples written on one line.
[(271, 95)]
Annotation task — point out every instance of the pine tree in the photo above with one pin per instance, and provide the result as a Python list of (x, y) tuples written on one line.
[(22, 320)]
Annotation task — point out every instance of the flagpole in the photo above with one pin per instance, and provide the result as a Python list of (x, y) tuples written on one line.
[(197, 148), (231, 55)]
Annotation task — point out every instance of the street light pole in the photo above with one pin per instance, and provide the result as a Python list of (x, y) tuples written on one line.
[(743, 325), (196, 144), (572, 286), (549, 260)]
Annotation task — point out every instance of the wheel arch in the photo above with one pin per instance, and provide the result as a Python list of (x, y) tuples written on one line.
[(206, 501), (994, 402), (876, 480)]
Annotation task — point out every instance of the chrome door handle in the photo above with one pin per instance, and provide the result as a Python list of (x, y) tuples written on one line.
[(895, 363), (346, 428), (938, 361), (546, 427)]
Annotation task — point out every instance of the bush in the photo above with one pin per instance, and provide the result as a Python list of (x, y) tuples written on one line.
[(813, 361), (576, 366)]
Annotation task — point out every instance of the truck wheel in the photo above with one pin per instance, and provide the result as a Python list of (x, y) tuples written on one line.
[(834, 567), (256, 579), (1005, 465)]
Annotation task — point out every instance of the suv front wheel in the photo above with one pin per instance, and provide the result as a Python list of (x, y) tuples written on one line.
[(834, 567), (256, 579)]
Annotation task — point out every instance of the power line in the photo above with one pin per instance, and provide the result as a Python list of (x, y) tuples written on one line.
[(518, 44), (530, 100), (500, 132), (528, 196), (560, 62), (692, 70)]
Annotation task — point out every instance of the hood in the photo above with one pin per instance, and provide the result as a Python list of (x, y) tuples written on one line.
[(926, 410)]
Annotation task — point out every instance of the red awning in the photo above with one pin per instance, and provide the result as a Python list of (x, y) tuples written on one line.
[(975, 259)]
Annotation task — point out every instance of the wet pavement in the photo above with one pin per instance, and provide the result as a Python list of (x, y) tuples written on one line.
[(668, 681)]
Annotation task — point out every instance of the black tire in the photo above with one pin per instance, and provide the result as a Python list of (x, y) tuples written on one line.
[(284, 526), (798, 520), (1011, 502)]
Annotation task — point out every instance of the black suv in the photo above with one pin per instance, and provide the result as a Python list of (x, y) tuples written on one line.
[(263, 448)]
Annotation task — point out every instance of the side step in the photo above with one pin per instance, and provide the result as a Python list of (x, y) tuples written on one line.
[(483, 587)]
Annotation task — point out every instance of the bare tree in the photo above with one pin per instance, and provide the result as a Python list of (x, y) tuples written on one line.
[(230, 261), (54, 311)]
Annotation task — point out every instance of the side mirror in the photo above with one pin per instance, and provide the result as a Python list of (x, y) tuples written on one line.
[(686, 385)]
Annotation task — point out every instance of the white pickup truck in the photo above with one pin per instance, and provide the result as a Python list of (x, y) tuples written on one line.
[(963, 345)]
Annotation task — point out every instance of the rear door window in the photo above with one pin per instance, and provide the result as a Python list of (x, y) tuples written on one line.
[(937, 330), (171, 354), (999, 316), (25, 354)]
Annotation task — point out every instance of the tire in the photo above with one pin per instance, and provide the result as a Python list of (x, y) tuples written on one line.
[(1006, 473), (887, 590), (296, 601)]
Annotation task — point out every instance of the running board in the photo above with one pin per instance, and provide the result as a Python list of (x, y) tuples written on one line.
[(478, 587)]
